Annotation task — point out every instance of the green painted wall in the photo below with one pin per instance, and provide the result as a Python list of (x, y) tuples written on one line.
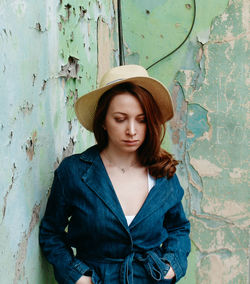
[(54, 51), (209, 134)]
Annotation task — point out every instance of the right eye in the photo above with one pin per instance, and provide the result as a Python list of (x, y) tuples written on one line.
[(119, 119)]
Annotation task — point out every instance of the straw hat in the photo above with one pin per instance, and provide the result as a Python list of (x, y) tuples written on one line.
[(85, 106)]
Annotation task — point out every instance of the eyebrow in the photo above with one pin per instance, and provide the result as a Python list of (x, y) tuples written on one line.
[(123, 113)]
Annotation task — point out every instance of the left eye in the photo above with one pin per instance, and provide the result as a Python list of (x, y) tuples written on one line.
[(142, 120)]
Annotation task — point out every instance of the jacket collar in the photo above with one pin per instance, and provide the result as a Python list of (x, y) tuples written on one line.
[(90, 154), (97, 179)]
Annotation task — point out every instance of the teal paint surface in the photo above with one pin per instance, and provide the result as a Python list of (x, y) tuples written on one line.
[(24, 67), (37, 123)]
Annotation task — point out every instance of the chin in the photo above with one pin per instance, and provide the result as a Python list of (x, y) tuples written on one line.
[(131, 148)]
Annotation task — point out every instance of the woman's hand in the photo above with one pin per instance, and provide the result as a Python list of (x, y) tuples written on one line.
[(170, 274), (84, 280)]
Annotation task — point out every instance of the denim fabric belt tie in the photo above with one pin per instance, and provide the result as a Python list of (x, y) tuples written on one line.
[(151, 262), (154, 266)]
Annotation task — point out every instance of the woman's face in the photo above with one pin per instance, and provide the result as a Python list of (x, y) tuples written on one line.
[(125, 123)]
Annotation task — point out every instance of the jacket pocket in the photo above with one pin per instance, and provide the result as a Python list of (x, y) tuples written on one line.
[(95, 278), (155, 265), (167, 281)]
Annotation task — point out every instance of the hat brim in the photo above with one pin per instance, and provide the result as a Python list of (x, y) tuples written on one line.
[(85, 106)]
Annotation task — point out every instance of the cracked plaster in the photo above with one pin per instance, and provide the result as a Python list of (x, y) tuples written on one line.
[(38, 124), (208, 133)]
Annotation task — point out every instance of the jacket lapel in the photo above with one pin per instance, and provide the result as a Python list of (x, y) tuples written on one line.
[(98, 181), (158, 196)]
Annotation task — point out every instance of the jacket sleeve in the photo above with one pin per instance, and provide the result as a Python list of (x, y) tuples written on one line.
[(177, 246), (53, 238)]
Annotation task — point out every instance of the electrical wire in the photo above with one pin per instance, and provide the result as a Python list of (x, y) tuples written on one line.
[(180, 45), (120, 34)]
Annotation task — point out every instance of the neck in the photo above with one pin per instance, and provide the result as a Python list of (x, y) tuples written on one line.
[(123, 159)]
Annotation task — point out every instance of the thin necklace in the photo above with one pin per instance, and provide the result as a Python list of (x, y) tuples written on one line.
[(122, 169)]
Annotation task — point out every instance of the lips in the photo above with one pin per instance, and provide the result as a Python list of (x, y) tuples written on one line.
[(131, 142)]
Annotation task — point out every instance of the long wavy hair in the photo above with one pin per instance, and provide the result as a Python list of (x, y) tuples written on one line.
[(159, 162)]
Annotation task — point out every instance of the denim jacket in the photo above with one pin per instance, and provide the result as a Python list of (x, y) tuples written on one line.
[(84, 230)]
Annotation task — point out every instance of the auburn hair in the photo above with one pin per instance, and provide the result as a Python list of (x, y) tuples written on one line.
[(159, 162)]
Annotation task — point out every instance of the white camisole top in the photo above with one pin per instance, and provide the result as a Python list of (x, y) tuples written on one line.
[(151, 183)]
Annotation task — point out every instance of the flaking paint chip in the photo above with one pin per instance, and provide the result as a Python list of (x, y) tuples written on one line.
[(71, 69)]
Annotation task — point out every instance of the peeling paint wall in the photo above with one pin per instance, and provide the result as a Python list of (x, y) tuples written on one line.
[(54, 51), (209, 134), (50, 51)]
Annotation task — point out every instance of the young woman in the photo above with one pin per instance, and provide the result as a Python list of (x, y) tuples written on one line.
[(118, 204)]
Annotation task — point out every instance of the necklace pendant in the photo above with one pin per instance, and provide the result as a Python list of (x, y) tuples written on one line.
[(123, 170)]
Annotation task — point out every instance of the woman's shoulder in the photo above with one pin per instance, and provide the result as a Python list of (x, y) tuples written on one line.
[(74, 161), (175, 186)]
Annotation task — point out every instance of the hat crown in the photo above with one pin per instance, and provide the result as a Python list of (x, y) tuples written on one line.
[(122, 72), (85, 106)]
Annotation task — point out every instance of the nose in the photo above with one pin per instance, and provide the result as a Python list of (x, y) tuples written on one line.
[(131, 131)]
